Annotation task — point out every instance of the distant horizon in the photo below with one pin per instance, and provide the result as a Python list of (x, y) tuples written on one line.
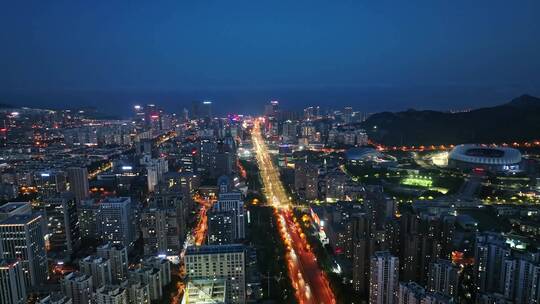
[(251, 101)]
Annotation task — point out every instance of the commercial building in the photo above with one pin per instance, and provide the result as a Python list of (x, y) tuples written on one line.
[(62, 223), (233, 202), (225, 262), (12, 286), (14, 208), (221, 227), (87, 212), (22, 239), (115, 221)]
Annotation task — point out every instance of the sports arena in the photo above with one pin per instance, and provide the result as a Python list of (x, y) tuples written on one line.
[(358, 156), (494, 159)]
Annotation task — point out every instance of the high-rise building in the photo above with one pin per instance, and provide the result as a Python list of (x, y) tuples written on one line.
[(435, 297), (115, 221), (219, 262), (520, 276), (164, 267), (233, 202), (22, 239), (492, 298), (410, 293), (111, 294), (221, 227), (118, 256), (289, 131), (155, 169), (361, 239), (206, 109), (491, 251), (138, 293), (347, 115), (306, 180), (444, 277), (50, 183), (98, 268), (78, 287), (384, 277), (160, 231), (14, 208), (272, 108), (12, 287), (87, 211), (164, 222), (78, 182), (55, 298), (151, 277), (62, 223)]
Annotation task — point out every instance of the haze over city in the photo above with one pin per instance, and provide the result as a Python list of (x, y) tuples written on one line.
[(384, 56)]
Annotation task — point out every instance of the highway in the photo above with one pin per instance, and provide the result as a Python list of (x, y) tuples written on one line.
[(309, 281)]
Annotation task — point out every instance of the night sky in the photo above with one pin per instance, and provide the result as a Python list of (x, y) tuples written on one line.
[(372, 55)]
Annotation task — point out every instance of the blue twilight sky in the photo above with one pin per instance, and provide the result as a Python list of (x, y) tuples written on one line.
[(373, 55)]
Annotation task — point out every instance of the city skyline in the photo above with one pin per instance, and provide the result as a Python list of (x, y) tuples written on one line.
[(380, 56), (270, 152)]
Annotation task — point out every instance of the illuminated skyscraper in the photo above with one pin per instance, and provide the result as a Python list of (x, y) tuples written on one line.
[(12, 288), (22, 239)]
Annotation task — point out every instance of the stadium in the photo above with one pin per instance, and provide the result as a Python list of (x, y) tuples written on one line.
[(357, 156), (493, 159)]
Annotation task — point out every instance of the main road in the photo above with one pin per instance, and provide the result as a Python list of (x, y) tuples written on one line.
[(309, 281)]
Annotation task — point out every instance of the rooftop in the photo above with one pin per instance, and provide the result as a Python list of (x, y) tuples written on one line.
[(207, 249)]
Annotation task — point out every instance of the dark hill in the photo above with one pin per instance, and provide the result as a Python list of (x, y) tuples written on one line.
[(517, 120)]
